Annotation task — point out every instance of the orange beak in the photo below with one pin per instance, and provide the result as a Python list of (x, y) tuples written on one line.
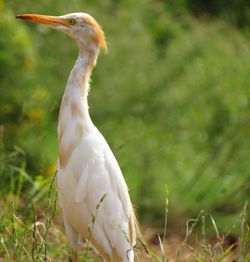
[(44, 19)]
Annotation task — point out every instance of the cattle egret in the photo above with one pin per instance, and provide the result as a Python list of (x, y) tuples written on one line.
[(92, 191)]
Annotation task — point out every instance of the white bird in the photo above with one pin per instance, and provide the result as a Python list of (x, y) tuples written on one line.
[(92, 191)]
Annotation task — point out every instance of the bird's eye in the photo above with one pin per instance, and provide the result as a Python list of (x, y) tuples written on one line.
[(72, 21)]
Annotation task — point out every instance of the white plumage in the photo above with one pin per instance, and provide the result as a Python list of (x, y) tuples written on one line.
[(92, 175), (92, 192)]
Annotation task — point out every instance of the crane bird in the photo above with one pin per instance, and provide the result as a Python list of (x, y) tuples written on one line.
[(93, 194)]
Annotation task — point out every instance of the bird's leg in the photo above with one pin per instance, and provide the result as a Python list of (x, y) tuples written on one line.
[(74, 255)]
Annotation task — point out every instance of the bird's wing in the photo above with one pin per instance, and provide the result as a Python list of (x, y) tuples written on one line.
[(101, 180), (122, 190)]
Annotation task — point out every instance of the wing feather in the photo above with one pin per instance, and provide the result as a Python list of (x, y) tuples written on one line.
[(122, 192), (82, 185)]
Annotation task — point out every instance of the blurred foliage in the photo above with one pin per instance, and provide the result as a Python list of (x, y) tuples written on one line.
[(235, 11), (16, 60), (171, 97)]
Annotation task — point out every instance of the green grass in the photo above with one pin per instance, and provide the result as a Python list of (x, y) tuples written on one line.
[(37, 234)]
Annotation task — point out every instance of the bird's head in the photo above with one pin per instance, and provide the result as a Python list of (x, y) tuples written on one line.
[(80, 26)]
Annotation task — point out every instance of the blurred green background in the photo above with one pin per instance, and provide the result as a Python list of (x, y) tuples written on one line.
[(172, 98)]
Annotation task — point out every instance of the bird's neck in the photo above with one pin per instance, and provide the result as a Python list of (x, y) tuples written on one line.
[(78, 82), (74, 120)]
